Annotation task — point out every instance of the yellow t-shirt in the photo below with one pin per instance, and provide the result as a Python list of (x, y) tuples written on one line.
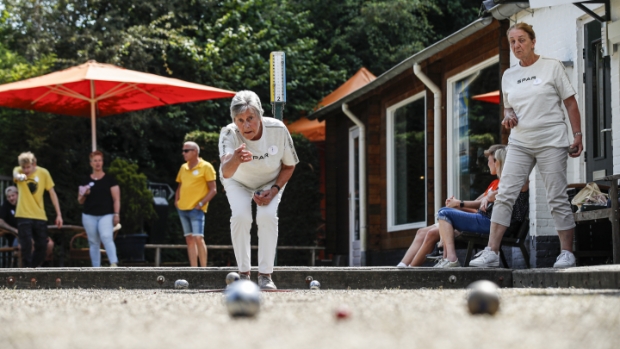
[(30, 199), (194, 184)]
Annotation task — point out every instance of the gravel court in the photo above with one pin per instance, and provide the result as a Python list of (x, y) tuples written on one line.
[(92, 318)]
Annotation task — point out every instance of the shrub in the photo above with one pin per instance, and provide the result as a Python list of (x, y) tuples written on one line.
[(136, 199)]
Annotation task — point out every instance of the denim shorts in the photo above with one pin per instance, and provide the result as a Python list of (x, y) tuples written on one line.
[(465, 221), (193, 222)]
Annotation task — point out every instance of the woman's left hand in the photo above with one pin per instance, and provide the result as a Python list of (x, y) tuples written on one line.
[(264, 198)]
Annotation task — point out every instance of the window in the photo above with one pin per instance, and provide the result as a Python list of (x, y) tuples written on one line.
[(473, 125), (406, 164)]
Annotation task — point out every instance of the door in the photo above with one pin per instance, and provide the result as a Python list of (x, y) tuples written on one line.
[(355, 252), (599, 157)]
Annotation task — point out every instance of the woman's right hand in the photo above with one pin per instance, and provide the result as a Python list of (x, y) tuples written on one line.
[(241, 155), (510, 118)]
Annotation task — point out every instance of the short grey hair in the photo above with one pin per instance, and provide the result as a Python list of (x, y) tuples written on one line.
[(194, 145), (243, 101), (10, 189)]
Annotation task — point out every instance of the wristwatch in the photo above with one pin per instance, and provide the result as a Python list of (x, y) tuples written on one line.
[(462, 203)]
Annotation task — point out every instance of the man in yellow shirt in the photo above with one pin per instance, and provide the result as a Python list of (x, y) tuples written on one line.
[(196, 188), (32, 181)]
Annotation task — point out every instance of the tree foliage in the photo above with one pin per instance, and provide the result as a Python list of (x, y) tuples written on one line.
[(222, 43)]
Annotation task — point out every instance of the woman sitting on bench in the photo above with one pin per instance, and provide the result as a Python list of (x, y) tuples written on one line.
[(479, 222), (426, 238)]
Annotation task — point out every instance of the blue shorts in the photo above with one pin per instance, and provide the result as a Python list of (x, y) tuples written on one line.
[(465, 221), (193, 222)]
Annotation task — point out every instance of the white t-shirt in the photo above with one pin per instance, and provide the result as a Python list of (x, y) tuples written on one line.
[(536, 94), (274, 148)]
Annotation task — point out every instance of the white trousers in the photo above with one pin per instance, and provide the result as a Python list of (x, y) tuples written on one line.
[(552, 167), (240, 200)]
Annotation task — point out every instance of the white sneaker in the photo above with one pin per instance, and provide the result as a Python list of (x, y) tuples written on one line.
[(440, 263), (566, 259), (448, 264), (265, 283), (113, 265), (485, 259), (402, 265)]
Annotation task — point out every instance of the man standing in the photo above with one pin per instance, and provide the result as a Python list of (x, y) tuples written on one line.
[(196, 188), (32, 181)]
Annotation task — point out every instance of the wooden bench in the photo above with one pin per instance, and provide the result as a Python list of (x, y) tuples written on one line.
[(159, 247), (606, 213), (514, 236)]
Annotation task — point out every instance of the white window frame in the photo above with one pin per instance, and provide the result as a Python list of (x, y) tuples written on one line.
[(450, 137), (391, 226)]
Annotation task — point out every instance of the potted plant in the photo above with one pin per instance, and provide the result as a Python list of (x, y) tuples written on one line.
[(136, 208)]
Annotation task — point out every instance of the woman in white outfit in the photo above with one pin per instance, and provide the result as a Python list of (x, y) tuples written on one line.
[(533, 93), (258, 158)]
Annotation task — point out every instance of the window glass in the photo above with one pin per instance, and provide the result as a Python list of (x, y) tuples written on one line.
[(408, 164), (475, 126)]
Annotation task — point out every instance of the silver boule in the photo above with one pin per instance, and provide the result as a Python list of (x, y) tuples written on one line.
[(232, 277), (243, 299), (181, 284), (315, 285), (483, 297)]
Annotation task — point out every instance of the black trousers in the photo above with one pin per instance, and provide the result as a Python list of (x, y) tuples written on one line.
[(30, 230)]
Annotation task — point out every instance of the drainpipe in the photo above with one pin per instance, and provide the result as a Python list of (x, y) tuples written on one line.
[(362, 179), (437, 134)]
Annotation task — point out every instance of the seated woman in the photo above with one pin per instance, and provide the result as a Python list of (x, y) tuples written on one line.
[(427, 237), (479, 222)]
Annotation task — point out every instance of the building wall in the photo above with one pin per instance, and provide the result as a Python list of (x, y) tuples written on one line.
[(384, 247)]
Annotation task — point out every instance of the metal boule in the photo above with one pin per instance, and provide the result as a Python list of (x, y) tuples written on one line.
[(315, 285), (181, 284), (232, 277), (309, 280), (243, 299), (483, 297)]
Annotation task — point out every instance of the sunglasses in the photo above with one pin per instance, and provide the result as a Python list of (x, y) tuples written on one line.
[(187, 150)]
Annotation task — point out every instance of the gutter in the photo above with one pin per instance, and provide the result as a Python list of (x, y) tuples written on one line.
[(437, 173), (362, 180)]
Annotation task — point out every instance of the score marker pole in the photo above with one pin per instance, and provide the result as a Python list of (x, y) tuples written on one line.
[(277, 69)]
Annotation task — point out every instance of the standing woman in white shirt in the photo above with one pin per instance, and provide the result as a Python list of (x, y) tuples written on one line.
[(258, 158), (533, 93)]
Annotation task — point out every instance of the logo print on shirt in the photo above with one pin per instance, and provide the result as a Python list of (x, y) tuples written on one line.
[(260, 157), (32, 185), (526, 79), (195, 173), (91, 184), (537, 82), (273, 150)]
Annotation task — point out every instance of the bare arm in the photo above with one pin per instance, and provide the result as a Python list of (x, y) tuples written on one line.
[(231, 162), (176, 196), (116, 197), (54, 198), (212, 191), (6, 226), (575, 123)]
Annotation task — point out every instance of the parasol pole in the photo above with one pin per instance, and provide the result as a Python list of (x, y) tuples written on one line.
[(93, 125)]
